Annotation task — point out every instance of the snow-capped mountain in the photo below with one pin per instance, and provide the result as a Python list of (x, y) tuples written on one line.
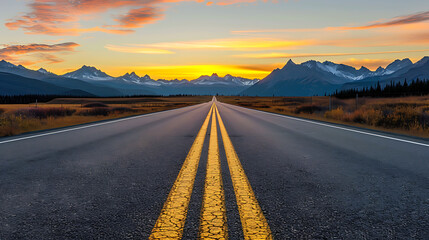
[(226, 80), (88, 73), (394, 67), (353, 74), (130, 77), (297, 80), (42, 70), (240, 80), (134, 78), (402, 70), (210, 80), (397, 65), (317, 78)]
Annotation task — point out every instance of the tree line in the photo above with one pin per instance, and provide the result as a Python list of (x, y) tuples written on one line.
[(32, 98), (415, 88)]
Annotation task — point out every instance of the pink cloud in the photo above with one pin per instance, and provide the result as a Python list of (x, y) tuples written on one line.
[(231, 2), (402, 20), (63, 17), (135, 18), (41, 52)]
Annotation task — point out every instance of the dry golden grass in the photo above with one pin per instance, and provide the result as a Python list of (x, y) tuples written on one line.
[(406, 115), (20, 118)]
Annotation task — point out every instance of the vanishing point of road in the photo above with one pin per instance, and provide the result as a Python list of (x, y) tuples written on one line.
[(213, 171)]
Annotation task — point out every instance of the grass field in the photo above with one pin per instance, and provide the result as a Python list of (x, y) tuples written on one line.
[(20, 118), (406, 115)]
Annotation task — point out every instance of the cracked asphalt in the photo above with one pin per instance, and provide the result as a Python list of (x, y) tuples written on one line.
[(311, 181)]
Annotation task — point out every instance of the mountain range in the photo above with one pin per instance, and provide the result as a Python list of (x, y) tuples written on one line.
[(305, 79), (319, 78)]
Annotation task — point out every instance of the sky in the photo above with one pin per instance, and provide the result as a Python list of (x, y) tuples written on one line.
[(169, 39)]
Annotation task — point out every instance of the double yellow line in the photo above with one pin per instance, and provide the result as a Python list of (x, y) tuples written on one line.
[(213, 223)]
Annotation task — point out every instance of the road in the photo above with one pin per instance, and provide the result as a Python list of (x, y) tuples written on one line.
[(213, 170)]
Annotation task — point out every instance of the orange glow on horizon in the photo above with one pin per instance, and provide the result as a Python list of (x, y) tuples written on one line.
[(191, 72)]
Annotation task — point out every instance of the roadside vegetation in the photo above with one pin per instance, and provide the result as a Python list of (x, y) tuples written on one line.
[(61, 112), (405, 115)]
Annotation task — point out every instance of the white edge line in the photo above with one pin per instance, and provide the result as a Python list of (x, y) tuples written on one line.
[(341, 128), (89, 126)]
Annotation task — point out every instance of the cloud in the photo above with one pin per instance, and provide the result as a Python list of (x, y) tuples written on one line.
[(133, 49), (310, 55), (397, 21), (40, 52), (287, 30), (136, 18), (402, 20), (231, 2), (234, 44), (64, 17)]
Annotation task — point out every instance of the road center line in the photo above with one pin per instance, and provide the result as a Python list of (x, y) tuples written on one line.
[(253, 222), (213, 214), (172, 218)]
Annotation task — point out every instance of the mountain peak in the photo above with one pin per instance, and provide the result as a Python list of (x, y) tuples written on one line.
[(88, 73), (215, 75), (133, 74), (290, 62), (379, 69), (6, 63), (422, 61), (362, 68), (42, 70), (85, 67), (398, 64)]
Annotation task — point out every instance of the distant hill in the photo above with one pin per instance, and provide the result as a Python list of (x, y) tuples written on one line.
[(12, 84)]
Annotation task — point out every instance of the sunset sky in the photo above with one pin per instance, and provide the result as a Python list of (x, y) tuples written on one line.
[(185, 39)]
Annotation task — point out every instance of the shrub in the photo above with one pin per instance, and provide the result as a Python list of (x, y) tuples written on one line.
[(95, 112), (401, 117), (122, 110), (43, 113), (95, 105), (261, 106), (1, 110), (307, 109), (244, 104), (336, 114), (11, 124)]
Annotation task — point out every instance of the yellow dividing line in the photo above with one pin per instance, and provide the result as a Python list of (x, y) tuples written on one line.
[(172, 219), (213, 214), (253, 222)]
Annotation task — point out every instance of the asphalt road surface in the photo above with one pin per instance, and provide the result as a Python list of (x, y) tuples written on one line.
[(268, 176)]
